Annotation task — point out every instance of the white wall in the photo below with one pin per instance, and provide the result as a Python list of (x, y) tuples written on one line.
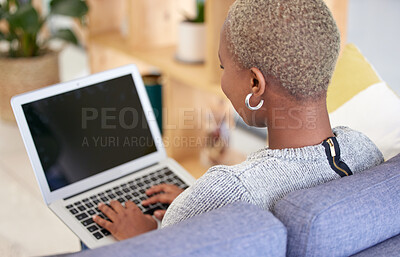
[(374, 26)]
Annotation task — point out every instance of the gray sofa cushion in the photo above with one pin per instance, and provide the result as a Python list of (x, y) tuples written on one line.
[(344, 216), (238, 229)]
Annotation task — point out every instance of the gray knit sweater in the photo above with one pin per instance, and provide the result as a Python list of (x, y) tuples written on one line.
[(268, 175)]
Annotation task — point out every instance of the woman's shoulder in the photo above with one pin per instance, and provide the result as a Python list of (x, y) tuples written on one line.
[(357, 150), (259, 160)]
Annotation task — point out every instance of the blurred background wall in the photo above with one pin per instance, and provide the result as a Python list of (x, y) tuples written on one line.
[(374, 26)]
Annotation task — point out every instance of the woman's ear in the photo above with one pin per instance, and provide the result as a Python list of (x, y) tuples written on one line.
[(257, 82)]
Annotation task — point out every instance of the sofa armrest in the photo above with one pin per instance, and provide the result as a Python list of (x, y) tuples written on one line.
[(344, 216), (239, 229)]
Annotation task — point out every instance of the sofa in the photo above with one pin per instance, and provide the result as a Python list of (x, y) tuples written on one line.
[(352, 216)]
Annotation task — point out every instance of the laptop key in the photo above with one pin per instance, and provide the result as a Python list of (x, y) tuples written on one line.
[(81, 208), (105, 232), (121, 200), (119, 193), (73, 211), (77, 203), (126, 190), (112, 196), (91, 212), (89, 205), (85, 200), (104, 199), (97, 235), (69, 206), (92, 228), (81, 216), (178, 179), (87, 222)]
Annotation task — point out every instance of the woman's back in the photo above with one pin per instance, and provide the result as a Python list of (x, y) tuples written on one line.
[(268, 175)]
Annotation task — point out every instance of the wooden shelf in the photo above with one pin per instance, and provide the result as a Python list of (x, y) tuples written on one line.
[(193, 75)]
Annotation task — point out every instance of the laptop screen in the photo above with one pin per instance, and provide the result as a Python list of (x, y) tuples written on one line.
[(83, 132)]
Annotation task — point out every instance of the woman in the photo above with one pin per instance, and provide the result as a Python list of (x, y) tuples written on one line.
[(277, 59)]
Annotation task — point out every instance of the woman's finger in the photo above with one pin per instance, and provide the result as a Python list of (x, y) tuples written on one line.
[(117, 206), (160, 198), (159, 214), (131, 206), (103, 223), (156, 189), (110, 213)]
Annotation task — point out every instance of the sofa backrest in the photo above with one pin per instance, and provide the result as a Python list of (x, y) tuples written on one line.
[(344, 216)]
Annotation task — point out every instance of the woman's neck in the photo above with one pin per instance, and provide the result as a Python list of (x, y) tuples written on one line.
[(298, 126)]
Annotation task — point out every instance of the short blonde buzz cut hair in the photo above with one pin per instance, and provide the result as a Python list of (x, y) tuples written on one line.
[(296, 42)]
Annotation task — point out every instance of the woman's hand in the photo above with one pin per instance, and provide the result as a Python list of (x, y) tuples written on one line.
[(128, 221), (163, 193)]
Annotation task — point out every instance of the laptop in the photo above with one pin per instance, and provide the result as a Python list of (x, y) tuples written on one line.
[(92, 140)]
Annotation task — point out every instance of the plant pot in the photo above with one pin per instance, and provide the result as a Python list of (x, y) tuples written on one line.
[(191, 42), (19, 75)]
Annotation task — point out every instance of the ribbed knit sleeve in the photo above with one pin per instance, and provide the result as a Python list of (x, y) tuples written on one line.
[(204, 196)]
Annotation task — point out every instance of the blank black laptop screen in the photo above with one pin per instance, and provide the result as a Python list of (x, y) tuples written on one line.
[(89, 130)]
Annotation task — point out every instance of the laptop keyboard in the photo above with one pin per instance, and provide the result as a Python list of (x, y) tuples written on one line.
[(133, 190)]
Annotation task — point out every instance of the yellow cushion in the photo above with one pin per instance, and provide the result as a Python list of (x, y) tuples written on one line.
[(359, 99), (352, 75)]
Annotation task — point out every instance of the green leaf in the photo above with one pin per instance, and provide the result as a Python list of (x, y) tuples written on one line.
[(72, 8), (67, 35), (2, 11), (25, 18)]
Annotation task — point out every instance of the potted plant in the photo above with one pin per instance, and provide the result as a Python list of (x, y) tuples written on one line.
[(192, 33), (27, 62)]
